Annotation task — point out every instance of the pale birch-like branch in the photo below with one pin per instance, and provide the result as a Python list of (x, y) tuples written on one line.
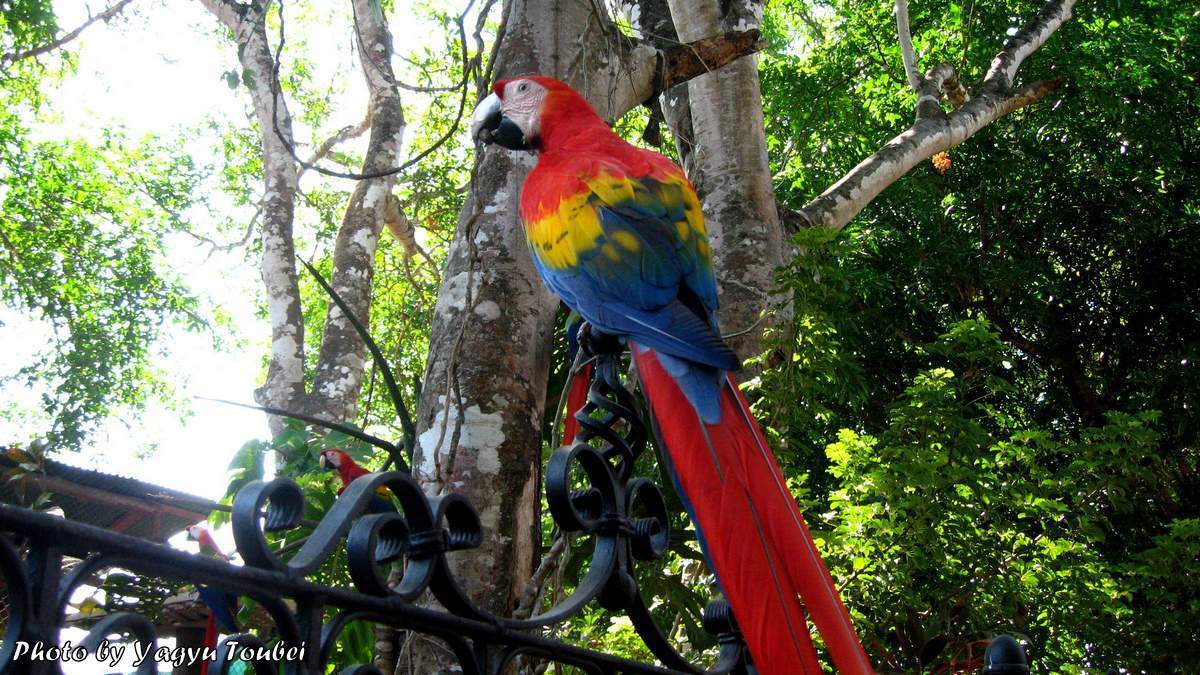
[(904, 34), (941, 79), (284, 385), (935, 130), (344, 134), (229, 13), (341, 361), (947, 80), (1026, 41)]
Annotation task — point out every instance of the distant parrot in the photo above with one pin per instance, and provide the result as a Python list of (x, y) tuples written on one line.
[(222, 606), (618, 234), (348, 470)]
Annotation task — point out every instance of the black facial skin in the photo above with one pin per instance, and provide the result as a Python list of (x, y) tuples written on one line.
[(503, 132)]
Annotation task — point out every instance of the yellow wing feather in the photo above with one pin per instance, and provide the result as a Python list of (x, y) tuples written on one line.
[(566, 230)]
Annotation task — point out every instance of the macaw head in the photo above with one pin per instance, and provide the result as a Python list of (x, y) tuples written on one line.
[(520, 111), (335, 459), (200, 534)]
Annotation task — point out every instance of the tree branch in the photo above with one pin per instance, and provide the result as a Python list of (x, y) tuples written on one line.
[(1026, 41), (284, 385), (684, 62), (946, 79), (934, 130), (904, 34), (941, 79), (344, 134), (468, 66), (535, 587), (929, 136), (644, 71), (105, 16), (341, 363), (228, 12)]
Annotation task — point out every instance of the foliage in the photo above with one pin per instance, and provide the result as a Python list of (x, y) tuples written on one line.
[(83, 228), (989, 382), (25, 24)]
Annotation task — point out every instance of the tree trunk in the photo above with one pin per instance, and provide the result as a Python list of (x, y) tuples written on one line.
[(284, 387), (341, 361), (724, 148), (479, 419)]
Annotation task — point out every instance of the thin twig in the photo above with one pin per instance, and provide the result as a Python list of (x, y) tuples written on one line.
[(535, 587), (276, 90), (406, 423), (578, 365), (747, 329), (105, 16), (369, 439), (344, 134)]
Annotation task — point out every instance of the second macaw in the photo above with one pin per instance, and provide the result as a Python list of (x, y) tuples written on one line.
[(618, 234), (222, 606), (348, 470)]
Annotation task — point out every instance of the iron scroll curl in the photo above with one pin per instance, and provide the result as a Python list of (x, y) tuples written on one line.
[(591, 488)]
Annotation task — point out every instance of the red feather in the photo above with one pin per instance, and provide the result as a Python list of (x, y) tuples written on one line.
[(754, 532), (576, 398), (210, 640)]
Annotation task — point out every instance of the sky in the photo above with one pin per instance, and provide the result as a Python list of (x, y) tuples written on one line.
[(160, 81), (158, 71)]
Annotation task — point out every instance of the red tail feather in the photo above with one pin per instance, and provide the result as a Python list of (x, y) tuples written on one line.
[(576, 397), (757, 540), (210, 640)]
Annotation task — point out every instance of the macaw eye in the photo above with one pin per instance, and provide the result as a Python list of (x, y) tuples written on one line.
[(523, 87)]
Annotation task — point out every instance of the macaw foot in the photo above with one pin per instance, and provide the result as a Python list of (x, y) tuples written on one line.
[(593, 341)]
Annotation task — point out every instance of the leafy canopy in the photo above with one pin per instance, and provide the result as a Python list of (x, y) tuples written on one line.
[(990, 382)]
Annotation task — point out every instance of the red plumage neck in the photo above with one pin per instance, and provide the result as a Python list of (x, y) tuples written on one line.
[(568, 122), (348, 470)]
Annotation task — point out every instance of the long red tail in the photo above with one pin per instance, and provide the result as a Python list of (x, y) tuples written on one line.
[(752, 530), (210, 640), (576, 397)]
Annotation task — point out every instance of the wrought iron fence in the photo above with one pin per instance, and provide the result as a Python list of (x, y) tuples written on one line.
[(591, 488)]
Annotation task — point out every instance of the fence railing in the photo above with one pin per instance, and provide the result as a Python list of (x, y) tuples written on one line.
[(591, 489)]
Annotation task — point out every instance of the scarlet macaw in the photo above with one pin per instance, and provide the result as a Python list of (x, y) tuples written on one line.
[(222, 606), (348, 470), (618, 234)]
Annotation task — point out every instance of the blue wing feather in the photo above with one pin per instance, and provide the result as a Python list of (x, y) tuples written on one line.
[(642, 292), (222, 605), (644, 271)]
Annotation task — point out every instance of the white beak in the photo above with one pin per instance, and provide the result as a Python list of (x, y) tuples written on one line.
[(322, 460), (487, 110)]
